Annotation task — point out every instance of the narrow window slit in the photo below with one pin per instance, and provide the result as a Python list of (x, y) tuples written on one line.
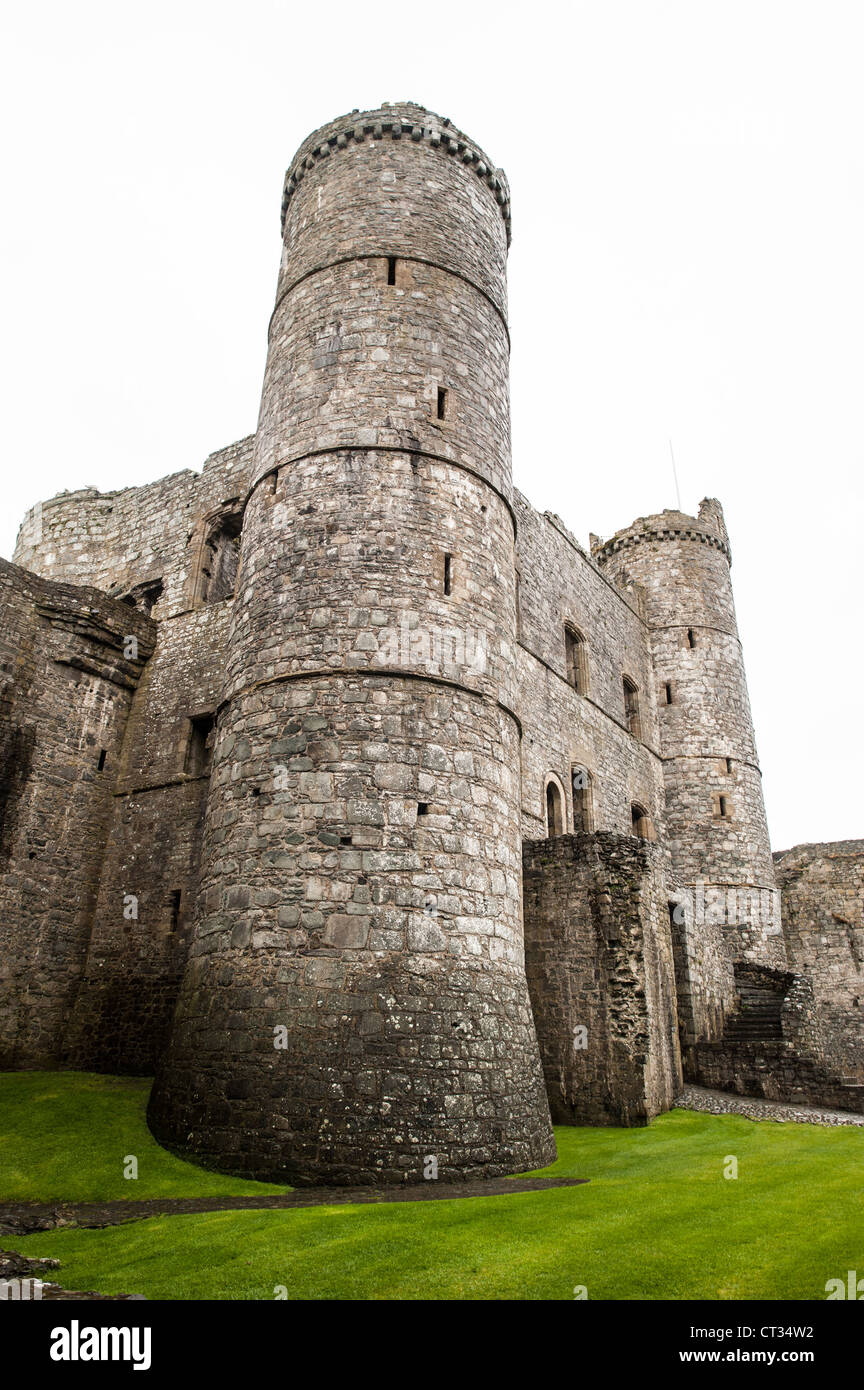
[(103, 753), (442, 403), (691, 638), (448, 574), (391, 270), (668, 689)]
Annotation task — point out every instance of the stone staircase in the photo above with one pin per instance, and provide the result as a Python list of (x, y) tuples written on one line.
[(758, 1015), (760, 1054)]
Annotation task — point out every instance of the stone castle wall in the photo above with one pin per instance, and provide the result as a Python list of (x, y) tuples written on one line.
[(716, 823), (66, 687), (822, 887), (563, 728), (352, 704), (130, 980), (601, 971), (124, 541)]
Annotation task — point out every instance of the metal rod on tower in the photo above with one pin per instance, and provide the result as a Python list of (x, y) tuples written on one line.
[(675, 475)]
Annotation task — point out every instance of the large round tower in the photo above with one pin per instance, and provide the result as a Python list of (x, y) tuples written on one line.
[(354, 1008), (715, 814)]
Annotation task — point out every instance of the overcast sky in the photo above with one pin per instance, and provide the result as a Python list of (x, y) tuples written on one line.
[(687, 263)]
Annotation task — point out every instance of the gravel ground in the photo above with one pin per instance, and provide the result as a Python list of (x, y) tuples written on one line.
[(722, 1103)]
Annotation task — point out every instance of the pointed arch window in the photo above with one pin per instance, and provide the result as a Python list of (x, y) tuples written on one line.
[(576, 652), (632, 713), (554, 809), (583, 800), (641, 822)]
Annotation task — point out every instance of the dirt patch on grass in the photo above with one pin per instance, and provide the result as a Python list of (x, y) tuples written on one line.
[(24, 1218)]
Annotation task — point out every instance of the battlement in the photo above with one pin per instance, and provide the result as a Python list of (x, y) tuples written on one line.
[(397, 121), (708, 528)]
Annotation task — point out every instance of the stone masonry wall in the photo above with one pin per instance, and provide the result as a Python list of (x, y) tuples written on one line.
[(563, 729), (715, 813), (362, 624), (822, 890), (599, 958), (138, 535), (361, 882), (66, 691), (126, 999)]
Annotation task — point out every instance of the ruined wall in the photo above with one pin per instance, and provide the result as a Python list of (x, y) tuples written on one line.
[(599, 958), (138, 536), (107, 982), (67, 686), (777, 1052), (822, 890), (136, 955)]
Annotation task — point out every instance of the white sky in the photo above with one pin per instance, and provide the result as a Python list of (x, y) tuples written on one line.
[(688, 214)]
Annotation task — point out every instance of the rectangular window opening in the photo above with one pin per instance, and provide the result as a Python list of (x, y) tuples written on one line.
[(103, 754), (442, 403), (691, 638), (723, 807), (199, 749), (391, 270), (448, 574), (668, 690), (728, 764), (422, 808)]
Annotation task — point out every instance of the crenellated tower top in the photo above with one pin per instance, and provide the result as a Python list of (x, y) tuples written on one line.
[(397, 121)]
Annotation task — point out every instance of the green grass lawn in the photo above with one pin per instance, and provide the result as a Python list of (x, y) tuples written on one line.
[(657, 1221), (66, 1135)]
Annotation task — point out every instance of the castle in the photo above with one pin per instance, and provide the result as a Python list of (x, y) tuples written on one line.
[(353, 797)]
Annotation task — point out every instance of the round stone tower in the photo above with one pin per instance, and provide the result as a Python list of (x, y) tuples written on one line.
[(715, 814), (354, 1008)]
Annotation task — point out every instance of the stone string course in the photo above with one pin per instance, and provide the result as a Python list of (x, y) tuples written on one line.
[(310, 801)]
